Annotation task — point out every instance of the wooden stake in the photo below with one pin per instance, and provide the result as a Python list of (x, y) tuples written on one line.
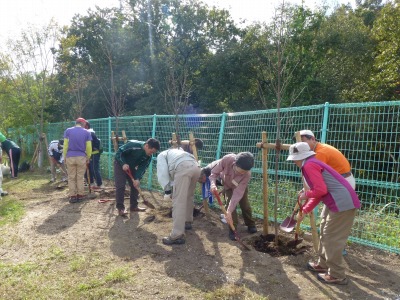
[(124, 137), (265, 181)]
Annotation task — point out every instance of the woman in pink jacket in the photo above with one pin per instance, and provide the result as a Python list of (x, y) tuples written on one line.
[(327, 186)]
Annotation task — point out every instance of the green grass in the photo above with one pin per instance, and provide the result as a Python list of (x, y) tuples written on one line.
[(11, 210), (233, 292), (64, 277)]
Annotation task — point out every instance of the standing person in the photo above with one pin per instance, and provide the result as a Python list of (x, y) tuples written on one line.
[(94, 165), (77, 151), (180, 167), (14, 153), (234, 171), (2, 192), (340, 207), (55, 151), (134, 156), (329, 155)]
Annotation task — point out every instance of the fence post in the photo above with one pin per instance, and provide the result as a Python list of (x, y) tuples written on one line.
[(110, 165), (153, 135), (325, 122), (221, 135)]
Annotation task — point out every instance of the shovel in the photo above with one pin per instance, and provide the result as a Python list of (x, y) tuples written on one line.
[(230, 224), (293, 244), (290, 222), (145, 202)]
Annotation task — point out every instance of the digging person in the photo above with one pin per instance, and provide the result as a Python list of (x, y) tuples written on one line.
[(136, 157), (180, 167), (340, 205), (234, 171)]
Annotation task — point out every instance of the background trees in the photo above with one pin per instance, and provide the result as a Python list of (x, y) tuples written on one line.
[(173, 57)]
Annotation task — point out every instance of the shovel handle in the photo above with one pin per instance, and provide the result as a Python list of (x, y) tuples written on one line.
[(221, 205)]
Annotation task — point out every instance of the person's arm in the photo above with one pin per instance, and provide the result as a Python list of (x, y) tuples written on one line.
[(65, 150), (126, 150), (238, 193), (162, 171), (318, 188), (215, 173), (88, 149)]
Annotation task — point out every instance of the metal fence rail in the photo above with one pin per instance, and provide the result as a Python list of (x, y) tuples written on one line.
[(368, 134)]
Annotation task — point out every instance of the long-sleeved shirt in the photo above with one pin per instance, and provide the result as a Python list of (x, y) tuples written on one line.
[(167, 161), (231, 179), (77, 142), (328, 186), (55, 151), (133, 154)]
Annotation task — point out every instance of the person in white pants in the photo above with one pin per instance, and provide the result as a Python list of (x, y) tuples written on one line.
[(180, 167)]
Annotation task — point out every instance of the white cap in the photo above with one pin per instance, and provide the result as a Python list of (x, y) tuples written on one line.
[(307, 132), (299, 151)]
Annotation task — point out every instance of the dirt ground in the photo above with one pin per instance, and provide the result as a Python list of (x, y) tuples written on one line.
[(207, 262)]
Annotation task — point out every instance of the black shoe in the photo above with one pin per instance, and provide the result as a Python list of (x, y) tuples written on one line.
[(232, 235), (4, 193), (169, 241), (251, 229), (188, 225), (73, 199)]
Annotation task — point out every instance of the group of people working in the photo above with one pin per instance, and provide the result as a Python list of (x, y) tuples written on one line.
[(326, 175)]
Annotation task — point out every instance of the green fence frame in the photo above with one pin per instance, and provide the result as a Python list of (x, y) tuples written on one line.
[(368, 134)]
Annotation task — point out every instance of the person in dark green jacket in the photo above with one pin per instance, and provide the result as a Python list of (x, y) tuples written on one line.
[(136, 157), (14, 153)]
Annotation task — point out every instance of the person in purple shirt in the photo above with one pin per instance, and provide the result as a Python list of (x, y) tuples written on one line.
[(77, 151), (323, 184), (234, 172)]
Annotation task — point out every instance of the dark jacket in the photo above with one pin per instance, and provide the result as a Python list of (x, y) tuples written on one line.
[(133, 154)]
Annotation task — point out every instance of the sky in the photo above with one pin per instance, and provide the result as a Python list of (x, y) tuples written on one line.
[(15, 15)]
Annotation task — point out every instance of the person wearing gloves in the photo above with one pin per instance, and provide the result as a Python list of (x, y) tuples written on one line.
[(14, 153), (55, 151), (341, 203), (234, 171), (182, 168), (77, 151), (134, 156)]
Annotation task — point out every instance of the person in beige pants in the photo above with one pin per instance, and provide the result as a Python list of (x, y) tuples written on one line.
[(181, 168)]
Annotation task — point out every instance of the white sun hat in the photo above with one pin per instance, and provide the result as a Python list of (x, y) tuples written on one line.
[(299, 151), (307, 132)]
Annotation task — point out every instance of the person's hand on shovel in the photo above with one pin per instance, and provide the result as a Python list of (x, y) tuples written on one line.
[(135, 182)]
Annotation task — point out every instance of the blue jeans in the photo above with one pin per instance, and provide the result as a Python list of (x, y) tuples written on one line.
[(94, 169)]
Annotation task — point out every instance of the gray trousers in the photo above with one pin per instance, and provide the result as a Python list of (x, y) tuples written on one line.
[(185, 177), (120, 178), (335, 229)]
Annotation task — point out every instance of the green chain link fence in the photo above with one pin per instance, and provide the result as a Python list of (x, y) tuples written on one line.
[(368, 134)]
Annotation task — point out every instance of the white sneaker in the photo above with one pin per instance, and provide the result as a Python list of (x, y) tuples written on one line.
[(223, 218)]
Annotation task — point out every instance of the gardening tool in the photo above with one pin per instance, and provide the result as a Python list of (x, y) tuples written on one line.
[(290, 222), (145, 202), (230, 223), (293, 244)]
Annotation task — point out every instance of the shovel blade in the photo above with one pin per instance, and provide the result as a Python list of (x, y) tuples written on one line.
[(288, 224), (148, 204)]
